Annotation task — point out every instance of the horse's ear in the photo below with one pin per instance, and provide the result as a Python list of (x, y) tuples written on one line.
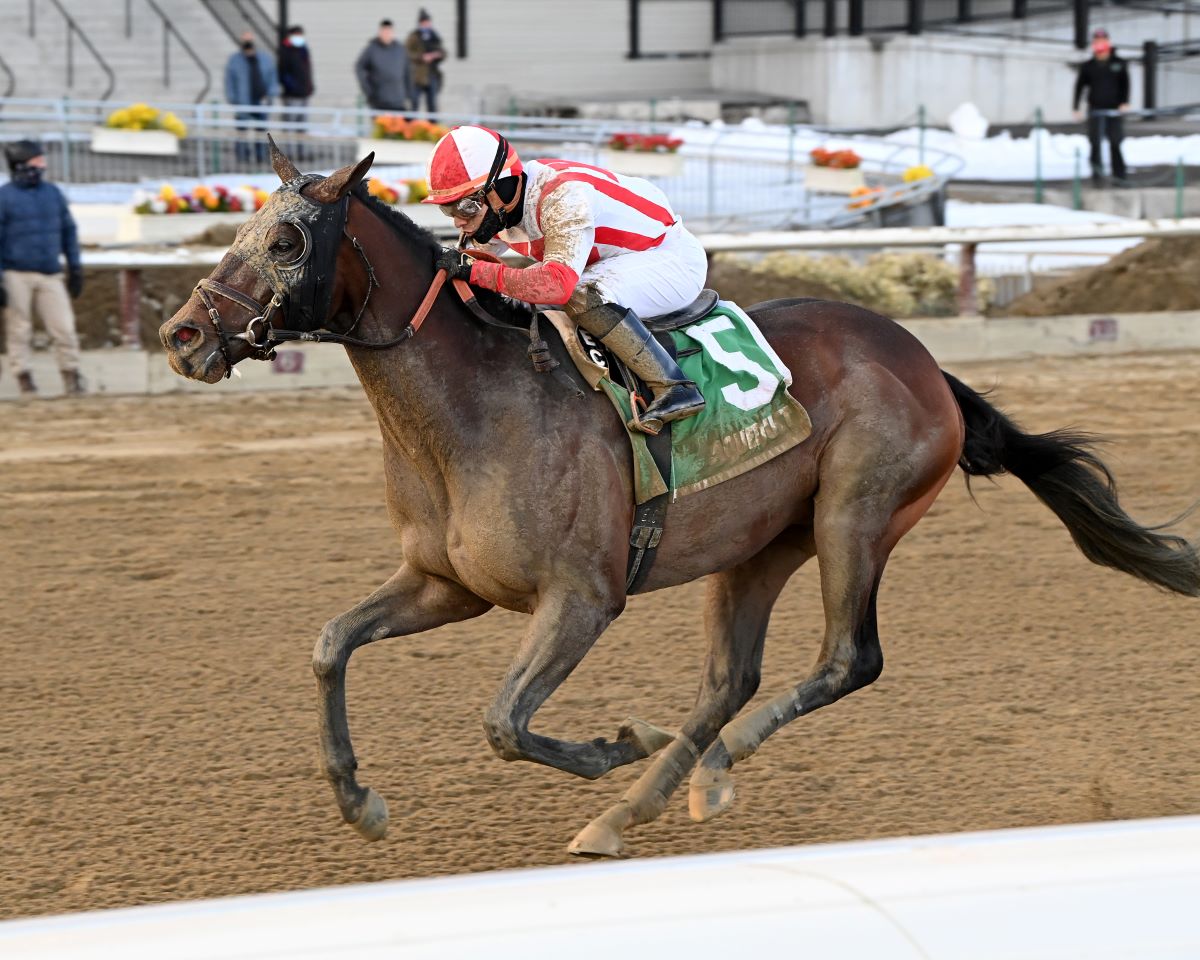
[(340, 182), (283, 166)]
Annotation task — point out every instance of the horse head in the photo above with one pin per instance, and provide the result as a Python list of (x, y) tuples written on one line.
[(283, 272)]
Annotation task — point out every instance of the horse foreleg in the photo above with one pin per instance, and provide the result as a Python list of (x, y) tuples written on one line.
[(564, 628), (407, 603), (736, 613)]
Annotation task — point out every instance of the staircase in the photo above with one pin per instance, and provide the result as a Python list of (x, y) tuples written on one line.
[(132, 50)]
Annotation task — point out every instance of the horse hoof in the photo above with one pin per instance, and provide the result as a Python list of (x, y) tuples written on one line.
[(372, 823), (710, 794), (648, 738), (597, 840)]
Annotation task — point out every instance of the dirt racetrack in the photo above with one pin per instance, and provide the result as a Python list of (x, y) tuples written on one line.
[(167, 563)]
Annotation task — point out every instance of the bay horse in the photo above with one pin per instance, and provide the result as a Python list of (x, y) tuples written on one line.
[(509, 489)]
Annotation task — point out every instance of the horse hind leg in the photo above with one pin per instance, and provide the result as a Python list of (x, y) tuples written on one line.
[(737, 610)]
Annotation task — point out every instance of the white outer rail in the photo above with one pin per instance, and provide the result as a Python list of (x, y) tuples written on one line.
[(1114, 890), (939, 236)]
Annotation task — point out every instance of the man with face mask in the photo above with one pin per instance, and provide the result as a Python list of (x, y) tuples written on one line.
[(250, 81), (36, 232), (1106, 77), (425, 55), (609, 248)]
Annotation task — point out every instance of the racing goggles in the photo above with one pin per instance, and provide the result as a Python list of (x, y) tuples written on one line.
[(466, 208)]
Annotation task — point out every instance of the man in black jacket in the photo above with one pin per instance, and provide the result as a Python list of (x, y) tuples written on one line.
[(295, 73), (1106, 77)]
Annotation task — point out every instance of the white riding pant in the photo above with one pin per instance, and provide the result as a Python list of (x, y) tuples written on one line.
[(648, 282)]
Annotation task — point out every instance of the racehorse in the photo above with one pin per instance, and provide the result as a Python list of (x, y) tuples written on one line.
[(509, 488)]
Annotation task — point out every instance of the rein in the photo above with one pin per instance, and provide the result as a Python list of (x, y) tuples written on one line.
[(262, 337)]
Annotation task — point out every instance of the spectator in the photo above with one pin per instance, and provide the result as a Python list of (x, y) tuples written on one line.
[(250, 81), (383, 72), (425, 54), (36, 231), (1106, 77), (295, 73)]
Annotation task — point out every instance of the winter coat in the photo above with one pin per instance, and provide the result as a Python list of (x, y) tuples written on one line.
[(36, 229), (417, 46), (295, 71), (237, 79), (1107, 82), (384, 75)]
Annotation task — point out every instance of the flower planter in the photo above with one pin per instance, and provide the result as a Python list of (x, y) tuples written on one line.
[(171, 227), (159, 143), (397, 151), (833, 179), (635, 163)]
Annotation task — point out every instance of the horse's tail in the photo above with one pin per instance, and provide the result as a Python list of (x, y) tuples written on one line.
[(1063, 473)]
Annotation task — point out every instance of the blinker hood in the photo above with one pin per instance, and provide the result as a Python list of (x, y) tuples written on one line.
[(306, 284)]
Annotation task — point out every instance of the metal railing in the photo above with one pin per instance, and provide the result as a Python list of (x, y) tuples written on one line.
[(170, 30), (74, 30), (727, 178), (236, 16), (11, 82)]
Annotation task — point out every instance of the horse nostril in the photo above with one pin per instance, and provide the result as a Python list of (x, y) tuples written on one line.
[(186, 334)]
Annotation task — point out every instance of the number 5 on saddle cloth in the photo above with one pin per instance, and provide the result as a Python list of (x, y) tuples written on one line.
[(749, 417)]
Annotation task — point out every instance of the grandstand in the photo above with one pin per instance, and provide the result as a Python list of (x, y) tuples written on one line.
[(687, 56)]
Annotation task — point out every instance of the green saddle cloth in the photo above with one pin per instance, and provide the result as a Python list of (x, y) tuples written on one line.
[(748, 418)]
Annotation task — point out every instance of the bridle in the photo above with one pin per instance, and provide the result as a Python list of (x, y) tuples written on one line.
[(262, 337)]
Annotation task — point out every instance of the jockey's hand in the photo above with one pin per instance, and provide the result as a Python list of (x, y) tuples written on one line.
[(456, 264)]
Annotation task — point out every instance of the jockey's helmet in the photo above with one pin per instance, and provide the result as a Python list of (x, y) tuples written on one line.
[(469, 159)]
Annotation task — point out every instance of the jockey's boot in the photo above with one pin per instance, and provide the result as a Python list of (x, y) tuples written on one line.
[(25, 383), (619, 329)]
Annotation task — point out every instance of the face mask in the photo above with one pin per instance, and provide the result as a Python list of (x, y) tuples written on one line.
[(297, 41), (27, 176), (248, 49), (1101, 47)]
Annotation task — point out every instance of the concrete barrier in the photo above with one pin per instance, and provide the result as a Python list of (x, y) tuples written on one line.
[(1114, 890)]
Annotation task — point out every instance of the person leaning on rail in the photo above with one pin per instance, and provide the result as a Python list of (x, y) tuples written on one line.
[(36, 232), (610, 249)]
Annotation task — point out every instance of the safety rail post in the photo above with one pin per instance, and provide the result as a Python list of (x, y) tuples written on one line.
[(32, 18), (215, 147), (830, 28), (128, 19), (1037, 156), (1077, 184), (856, 18), (718, 20), (968, 301), (799, 21), (129, 297), (1179, 180), (1150, 74), (964, 11), (635, 27)]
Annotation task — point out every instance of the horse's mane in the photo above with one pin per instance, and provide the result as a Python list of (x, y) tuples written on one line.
[(421, 239)]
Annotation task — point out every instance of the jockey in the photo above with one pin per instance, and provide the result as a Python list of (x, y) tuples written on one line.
[(609, 249)]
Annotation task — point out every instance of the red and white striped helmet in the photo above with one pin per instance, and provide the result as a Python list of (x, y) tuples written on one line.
[(462, 160)]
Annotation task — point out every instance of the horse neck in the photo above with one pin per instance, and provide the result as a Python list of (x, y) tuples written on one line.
[(429, 391)]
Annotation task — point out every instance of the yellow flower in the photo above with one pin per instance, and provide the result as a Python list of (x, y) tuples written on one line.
[(167, 192), (920, 172)]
